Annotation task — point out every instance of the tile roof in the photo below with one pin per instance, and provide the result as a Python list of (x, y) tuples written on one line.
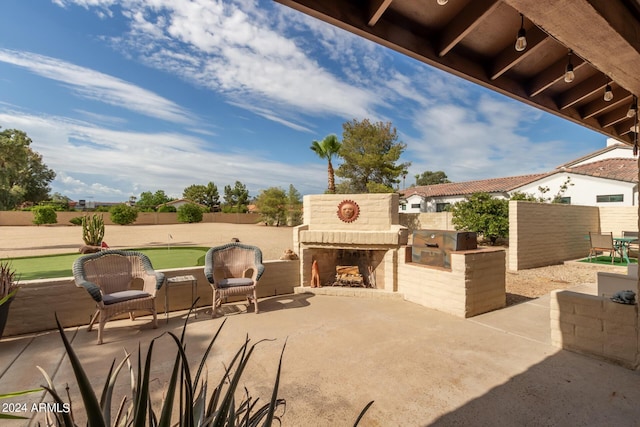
[(595, 154), (618, 169), (492, 185), (621, 169)]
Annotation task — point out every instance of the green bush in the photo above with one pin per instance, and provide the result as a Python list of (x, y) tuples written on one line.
[(190, 212), (483, 214), (76, 220), (123, 214), (165, 208), (44, 215)]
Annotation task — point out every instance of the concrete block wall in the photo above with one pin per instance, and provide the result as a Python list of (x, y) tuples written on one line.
[(618, 219), (427, 221), (35, 304), (378, 212), (596, 326), (24, 218), (543, 234), (474, 285)]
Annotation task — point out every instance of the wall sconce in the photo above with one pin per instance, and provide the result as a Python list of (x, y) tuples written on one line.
[(569, 75), (521, 40), (443, 2), (608, 93)]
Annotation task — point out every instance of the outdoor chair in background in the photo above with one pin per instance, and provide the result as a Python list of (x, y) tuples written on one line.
[(119, 282), (233, 269), (601, 242), (634, 247)]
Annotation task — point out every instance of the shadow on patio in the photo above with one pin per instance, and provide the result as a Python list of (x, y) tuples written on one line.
[(420, 366)]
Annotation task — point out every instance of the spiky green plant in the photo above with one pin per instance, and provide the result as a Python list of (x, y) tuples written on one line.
[(92, 229), (220, 409), (8, 282)]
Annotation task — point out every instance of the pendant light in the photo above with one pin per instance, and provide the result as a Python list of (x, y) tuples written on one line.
[(521, 40), (569, 75), (633, 108), (608, 93)]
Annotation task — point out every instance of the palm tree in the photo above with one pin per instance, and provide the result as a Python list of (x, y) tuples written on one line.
[(326, 149)]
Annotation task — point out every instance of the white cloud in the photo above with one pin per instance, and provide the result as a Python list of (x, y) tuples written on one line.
[(112, 165), (97, 86), (232, 47)]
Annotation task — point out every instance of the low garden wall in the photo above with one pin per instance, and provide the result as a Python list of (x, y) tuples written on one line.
[(35, 304), (144, 218), (596, 326)]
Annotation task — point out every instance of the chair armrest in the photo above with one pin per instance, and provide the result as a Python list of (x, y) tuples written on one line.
[(258, 271), (92, 288), (153, 282)]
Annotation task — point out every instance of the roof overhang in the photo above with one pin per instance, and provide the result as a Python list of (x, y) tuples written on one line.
[(474, 39)]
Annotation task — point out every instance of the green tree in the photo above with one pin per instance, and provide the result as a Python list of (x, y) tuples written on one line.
[(23, 175), (294, 206), (190, 212), (236, 198), (483, 214), (44, 215), (370, 152), (148, 201), (431, 178), (328, 148), (272, 204), (123, 214), (204, 194)]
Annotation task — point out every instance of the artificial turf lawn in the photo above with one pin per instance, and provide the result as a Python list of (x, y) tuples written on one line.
[(52, 266), (606, 260)]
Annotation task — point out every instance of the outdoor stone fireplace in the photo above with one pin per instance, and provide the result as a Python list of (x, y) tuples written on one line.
[(358, 237), (359, 231)]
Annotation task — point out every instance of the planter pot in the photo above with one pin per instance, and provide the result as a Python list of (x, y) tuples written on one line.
[(4, 314)]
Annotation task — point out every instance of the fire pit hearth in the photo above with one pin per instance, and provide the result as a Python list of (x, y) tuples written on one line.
[(354, 239)]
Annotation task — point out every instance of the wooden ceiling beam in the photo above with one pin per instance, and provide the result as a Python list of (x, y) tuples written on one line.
[(376, 9), (620, 97), (613, 117), (470, 16), (552, 75), (581, 91), (509, 57)]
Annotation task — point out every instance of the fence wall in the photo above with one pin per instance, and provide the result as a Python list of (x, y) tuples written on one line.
[(144, 218)]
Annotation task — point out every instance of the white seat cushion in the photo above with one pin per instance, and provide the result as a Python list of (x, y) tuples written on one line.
[(123, 296)]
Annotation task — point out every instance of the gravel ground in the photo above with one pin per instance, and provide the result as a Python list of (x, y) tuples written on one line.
[(32, 240)]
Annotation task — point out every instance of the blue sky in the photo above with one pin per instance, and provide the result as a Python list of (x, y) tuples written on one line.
[(127, 96)]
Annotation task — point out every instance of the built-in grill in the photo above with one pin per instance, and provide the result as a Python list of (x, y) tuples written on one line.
[(434, 247)]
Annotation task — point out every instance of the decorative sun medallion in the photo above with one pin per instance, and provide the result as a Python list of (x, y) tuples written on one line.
[(348, 211)]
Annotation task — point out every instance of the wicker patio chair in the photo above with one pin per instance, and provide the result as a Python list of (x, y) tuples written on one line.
[(119, 282), (601, 242), (233, 269)]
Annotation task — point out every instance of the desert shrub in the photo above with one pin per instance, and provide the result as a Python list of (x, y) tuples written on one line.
[(165, 208), (484, 214), (76, 220), (123, 214), (190, 212), (44, 215)]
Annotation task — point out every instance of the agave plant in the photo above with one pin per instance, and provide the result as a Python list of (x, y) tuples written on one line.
[(8, 282), (197, 409)]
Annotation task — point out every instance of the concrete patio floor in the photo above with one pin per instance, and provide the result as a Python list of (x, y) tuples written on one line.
[(420, 366)]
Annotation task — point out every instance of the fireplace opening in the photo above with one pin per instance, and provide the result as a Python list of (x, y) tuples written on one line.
[(358, 268)]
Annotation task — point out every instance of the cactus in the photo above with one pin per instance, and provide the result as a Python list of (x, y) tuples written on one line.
[(92, 229)]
